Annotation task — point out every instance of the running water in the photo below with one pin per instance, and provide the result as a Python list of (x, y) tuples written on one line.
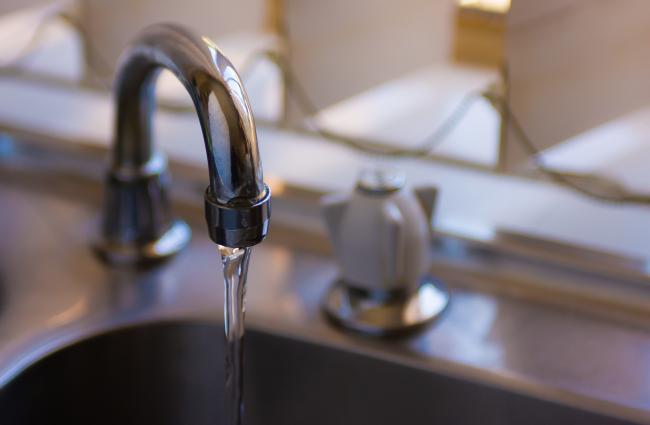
[(235, 269)]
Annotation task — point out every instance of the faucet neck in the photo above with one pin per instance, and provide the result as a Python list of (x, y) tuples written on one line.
[(237, 202), (218, 96)]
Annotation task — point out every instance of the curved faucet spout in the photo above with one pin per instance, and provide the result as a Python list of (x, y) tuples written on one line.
[(219, 98), (236, 200)]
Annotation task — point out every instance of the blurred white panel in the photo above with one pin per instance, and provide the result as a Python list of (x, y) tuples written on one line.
[(37, 41), (618, 149), (573, 65), (18, 28), (405, 111), (113, 23), (339, 47)]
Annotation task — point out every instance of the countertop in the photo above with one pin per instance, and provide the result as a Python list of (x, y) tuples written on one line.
[(54, 290)]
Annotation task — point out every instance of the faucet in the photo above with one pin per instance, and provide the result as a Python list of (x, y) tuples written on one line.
[(137, 224)]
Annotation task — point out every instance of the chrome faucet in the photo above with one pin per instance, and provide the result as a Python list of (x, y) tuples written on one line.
[(137, 224)]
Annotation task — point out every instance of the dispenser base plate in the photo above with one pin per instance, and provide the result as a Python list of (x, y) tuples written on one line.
[(386, 314)]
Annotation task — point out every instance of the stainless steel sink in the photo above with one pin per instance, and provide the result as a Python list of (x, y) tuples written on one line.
[(172, 373)]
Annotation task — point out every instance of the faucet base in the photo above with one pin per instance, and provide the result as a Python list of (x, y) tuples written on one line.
[(170, 243), (386, 314)]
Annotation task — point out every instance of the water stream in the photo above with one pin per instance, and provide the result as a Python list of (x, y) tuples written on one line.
[(235, 270)]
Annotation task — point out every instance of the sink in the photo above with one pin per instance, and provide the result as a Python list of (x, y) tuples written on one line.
[(172, 373)]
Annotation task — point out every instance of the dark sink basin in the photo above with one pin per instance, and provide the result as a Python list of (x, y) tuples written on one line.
[(172, 373)]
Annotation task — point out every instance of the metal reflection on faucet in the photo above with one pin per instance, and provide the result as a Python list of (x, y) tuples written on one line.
[(137, 225)]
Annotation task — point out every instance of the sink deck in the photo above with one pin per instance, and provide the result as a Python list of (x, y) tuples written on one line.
[(491, 359)]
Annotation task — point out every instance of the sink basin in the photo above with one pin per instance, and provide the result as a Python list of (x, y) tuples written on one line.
[(172, 373)]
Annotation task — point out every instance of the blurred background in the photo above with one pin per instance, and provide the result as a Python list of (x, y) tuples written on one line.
[(529, 116)]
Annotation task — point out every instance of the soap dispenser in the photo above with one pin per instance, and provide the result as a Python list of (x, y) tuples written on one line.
[(381, 236)]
